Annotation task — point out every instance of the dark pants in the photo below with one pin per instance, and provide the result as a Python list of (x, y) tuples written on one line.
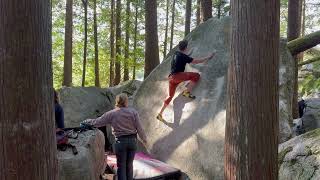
[(125, 149)]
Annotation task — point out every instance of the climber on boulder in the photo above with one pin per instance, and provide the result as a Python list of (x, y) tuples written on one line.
[(177, 75)]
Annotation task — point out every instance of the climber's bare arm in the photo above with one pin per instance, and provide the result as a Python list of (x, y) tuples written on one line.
[(202, 60)]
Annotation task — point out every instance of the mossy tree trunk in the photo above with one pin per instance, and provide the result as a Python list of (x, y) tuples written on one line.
[(304, 43)]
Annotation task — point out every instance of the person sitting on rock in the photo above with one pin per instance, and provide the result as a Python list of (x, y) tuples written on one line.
[(59, 114), (125, 125), (177, 75)]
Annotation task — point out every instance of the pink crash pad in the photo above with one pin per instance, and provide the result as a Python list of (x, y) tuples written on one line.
[(145, 167)]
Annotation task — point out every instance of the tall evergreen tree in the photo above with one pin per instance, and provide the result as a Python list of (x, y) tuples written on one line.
[(28, 148), (126, 53), (151, 37), (135, 40), (188, 17), (67, 68), (118, 44), (198, 17), (251, 142), (112, 54), (85, 5), (172, 23), (206, 9), (294, 29), (165, 42), (96, 50)]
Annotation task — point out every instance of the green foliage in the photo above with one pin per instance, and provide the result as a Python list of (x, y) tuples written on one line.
[(311, 82), (308, 85)]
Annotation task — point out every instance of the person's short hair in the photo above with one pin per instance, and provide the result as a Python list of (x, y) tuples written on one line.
[(183, 45), (121, 100)]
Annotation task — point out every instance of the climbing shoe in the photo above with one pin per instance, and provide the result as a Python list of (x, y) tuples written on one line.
[(188, 94), (160, 118)]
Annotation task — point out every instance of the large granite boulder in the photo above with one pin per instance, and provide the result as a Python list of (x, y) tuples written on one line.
[(193, 138), (89, 163), (128, 87), (311, 117), (80, 103), (299, 157)]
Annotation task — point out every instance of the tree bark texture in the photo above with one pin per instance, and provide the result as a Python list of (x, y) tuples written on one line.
[(85, 5), (135, 41), (251, 141), (67, 67), (27, 139), (172, 23), (118, 44), (304, 43), (206, 9), (112, 57), (188, 17), (151, 37), (96, 50), (126, 55), (165, 42), (294, 29)]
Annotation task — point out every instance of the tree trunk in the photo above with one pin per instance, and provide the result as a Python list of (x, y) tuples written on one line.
[(219, 9), (96, 50), (172, 23), (111, 68), (118, 44), (206, 9), (135, 42), (85, 5), (27, 139), (301, 44), (151, 37), (126, 55), (198, 12), (294, 27), (251, 141), (309, 61), (188, 17), (166, 30), (67, 67)]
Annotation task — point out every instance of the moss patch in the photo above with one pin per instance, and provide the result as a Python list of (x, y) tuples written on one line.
[(283, 153), (312, 134)]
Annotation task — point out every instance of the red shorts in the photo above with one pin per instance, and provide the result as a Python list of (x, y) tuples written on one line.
[(176, 79)]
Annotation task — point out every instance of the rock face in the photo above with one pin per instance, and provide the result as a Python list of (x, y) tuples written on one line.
[(80, 103), (89, 163), (193, 137), (128, 87), (299, 157), (311, 117)]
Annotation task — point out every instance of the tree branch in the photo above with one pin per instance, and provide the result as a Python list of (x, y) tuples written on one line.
[(301, 44), (312, 60)]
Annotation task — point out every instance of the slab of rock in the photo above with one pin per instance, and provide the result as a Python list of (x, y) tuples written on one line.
[(80, 103), (128, 87), (89, 163), (299, 157), (311, 117), (193, 138)]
